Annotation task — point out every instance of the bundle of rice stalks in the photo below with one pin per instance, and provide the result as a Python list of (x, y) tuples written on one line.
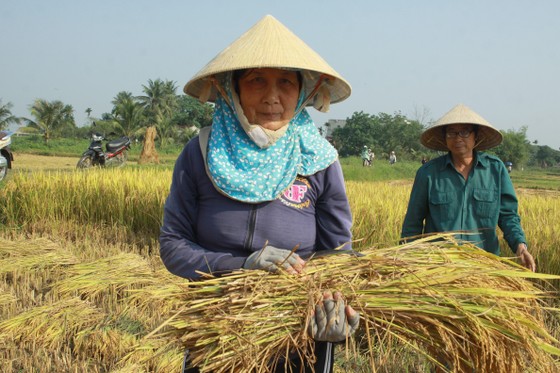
[(125, 283), (105, 278), (16, 256), (454, 303), (50, 326)]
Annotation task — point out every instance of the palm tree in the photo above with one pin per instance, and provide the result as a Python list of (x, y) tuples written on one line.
[(88, 111), (128, 113), (50, 116), (6, 117), (159, 103)]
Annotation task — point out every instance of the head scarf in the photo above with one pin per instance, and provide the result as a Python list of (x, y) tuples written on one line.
[(243, 171)]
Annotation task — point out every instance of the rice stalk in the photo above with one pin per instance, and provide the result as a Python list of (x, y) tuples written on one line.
[(7, 301), (105, 276), (447, 301), (16, 256), (154, 355), (103, 343), (51, 326)]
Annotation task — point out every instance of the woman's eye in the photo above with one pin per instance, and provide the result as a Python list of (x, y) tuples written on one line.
[(287, 82), (257, 80)]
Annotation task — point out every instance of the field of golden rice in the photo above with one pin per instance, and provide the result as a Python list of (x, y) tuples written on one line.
[(82, 288)]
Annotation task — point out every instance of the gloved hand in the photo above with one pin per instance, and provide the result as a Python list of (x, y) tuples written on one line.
[(271, 258), (333, 321)]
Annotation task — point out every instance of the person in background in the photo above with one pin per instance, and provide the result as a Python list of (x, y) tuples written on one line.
[(392, 158), (366, 160), (424, 160), (262, 181), (509, 166), (465, 190)]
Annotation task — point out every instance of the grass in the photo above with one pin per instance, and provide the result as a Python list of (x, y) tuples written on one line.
[(546, 179), (60, 147), (380, 170)]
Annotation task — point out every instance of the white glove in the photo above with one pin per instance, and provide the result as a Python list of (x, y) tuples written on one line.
[(271, 258), (333, 321)]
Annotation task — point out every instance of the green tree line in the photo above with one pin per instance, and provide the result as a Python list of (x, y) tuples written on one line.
[(175, 117)]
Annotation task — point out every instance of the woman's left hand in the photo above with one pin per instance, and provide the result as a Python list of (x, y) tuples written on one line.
[(333, 321), (526, 258)]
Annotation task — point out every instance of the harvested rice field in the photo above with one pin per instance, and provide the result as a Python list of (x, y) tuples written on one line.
[(82, 288)]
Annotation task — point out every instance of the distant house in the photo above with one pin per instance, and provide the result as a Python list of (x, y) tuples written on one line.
[(331, 125)]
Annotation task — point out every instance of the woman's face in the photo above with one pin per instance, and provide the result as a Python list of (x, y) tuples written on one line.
[(459, 146), (269, 97)]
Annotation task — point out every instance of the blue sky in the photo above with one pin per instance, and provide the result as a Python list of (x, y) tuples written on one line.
[(501, 58)]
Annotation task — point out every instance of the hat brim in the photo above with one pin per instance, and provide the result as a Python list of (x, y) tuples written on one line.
[(434, 138), (269, 44), (487, 137)]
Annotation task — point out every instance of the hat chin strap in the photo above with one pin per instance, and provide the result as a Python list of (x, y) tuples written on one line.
[(476, 144), (320, 94), (261, 136)]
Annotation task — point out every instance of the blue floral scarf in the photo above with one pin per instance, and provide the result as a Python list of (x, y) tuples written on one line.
[(245, 172)]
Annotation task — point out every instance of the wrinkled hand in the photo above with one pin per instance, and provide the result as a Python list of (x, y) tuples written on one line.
[(333, 321), (271, 259), (526, 258)]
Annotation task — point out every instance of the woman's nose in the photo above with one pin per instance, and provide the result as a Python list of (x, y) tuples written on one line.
[(271, 95)]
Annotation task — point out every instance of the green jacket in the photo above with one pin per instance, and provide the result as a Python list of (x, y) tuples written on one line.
[(442, 201)]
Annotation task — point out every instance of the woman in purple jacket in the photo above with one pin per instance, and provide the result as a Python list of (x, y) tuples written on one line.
[(263, 180)]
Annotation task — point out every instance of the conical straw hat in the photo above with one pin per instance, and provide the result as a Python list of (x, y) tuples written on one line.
[(269, 44), (487, 137)]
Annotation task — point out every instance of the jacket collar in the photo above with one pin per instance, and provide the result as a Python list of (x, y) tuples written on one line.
[(479, 160)]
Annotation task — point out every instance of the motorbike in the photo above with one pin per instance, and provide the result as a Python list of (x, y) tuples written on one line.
[(116, 153), (6, 155)]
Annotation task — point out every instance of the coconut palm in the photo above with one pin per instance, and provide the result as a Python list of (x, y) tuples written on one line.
[(50, 116), (128, 113), (6, 117), (159, 103)]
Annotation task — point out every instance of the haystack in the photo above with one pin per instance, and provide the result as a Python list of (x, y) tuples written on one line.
[(149, 153)]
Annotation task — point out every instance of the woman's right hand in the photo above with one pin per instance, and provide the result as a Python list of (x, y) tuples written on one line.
[(333, 321), (271, 258)]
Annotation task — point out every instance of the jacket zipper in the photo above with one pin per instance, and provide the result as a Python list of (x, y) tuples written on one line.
[(252, 222)]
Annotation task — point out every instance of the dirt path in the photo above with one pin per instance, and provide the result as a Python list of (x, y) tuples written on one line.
[(42, 162), (34, 162), (543, 192)]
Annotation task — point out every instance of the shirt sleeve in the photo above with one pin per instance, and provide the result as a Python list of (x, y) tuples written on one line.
[(333, 215), (509, 220), (417, 209), (179, 250)]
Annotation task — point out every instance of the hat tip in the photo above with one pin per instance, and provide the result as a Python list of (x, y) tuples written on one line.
[(269, 17)]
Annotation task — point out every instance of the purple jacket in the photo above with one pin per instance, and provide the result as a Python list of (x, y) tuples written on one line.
[(206, 231)]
